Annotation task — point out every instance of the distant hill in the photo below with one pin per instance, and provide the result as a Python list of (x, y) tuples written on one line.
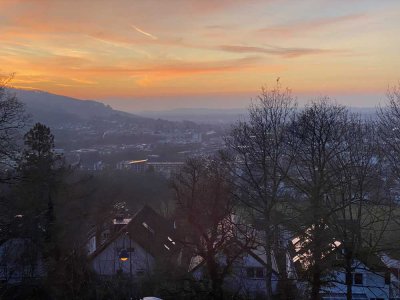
[(55, 109), (226, 116), (200, 115)]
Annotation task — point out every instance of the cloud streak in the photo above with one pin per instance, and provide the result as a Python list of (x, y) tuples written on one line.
[(96, 48), (279, 51), (179, 68), (153, 37)]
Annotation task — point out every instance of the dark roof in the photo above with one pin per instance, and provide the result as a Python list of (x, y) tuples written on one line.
[(364, 255), (248, 251), (371, 260), (151, 231)]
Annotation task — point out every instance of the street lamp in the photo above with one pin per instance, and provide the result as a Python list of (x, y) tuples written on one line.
[(123, 255)]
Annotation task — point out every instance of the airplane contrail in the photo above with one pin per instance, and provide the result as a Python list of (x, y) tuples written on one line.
[(144, 32)]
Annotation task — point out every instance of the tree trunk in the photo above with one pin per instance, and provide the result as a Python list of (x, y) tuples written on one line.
[(349, 275), (216, 281), (316, 284), (268, 275), (216, 286), (317, 271)]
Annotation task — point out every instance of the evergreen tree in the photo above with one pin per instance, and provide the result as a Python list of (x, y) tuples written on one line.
[(41, 171)]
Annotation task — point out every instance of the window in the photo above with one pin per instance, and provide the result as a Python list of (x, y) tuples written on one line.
[(340, 254), (358, 278), (255, 272), (140, 272), (259, 273), (145, 225), (250, 272), (105, 235), (281, 243), (171, 240)]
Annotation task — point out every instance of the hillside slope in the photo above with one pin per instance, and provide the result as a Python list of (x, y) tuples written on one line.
[(55, 109)]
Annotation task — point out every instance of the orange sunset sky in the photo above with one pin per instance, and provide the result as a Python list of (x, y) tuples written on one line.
[(147, 54)]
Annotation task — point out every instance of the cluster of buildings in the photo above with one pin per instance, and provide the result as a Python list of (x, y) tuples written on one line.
[(144, 165), (91, 159), (134, 246)]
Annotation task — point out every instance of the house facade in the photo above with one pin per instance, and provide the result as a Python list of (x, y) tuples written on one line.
[(133, 249), (393, 266), (247, 277), (108, 262), (366, 284)]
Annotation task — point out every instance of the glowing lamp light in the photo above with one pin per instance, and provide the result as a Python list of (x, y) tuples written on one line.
[(123, 255)]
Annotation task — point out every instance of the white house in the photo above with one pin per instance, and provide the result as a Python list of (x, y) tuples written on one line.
[(370, 277), (394, 268), (247, 276), (367, 283), (134, 249)]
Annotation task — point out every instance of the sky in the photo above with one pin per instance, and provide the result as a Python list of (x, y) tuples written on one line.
[(165, 54)]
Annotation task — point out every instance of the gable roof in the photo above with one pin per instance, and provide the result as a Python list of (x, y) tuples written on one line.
[(300, 252), (153, 232), (150, 230)]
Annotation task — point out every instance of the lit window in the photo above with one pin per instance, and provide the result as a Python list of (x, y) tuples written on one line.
[(166, 247)]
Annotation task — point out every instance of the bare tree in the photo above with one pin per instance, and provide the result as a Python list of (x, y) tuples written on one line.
[(389, 127), (389, 134), (317, 138), (360, 210), (205, 209), (12, 120), (260, 161)]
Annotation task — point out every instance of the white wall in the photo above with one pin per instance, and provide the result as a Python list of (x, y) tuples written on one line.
[(239, 282), (249, 287), (373, 283), (108, 262)]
